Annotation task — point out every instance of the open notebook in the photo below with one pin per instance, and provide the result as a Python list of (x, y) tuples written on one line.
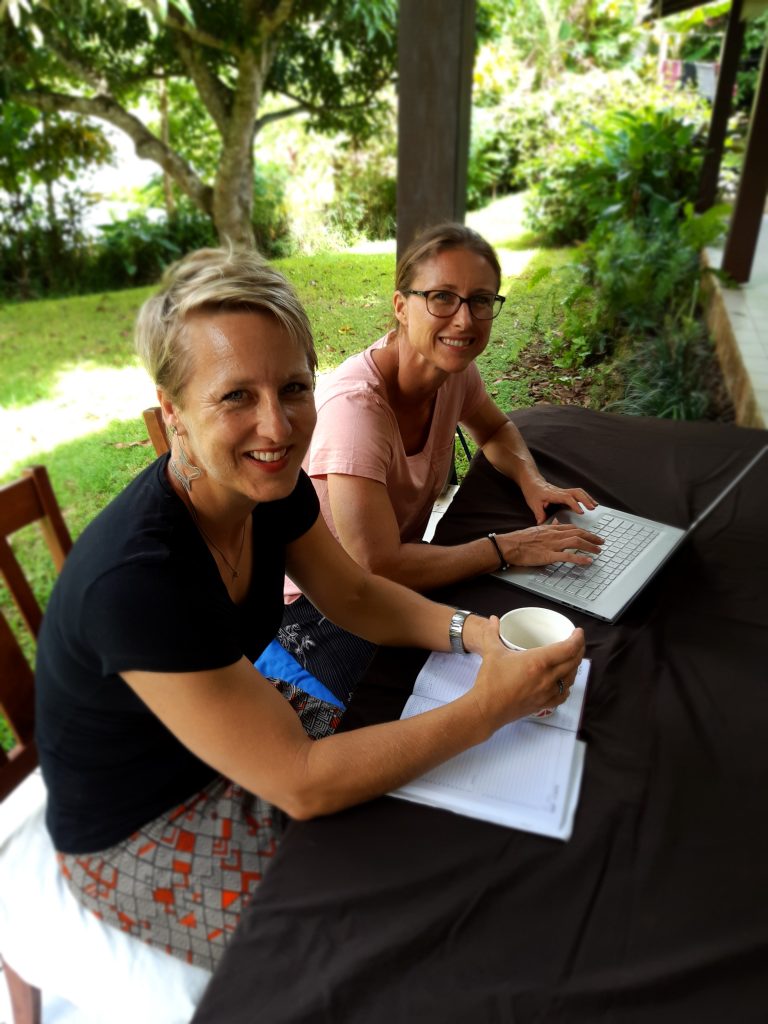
[(634, 550), (526, 776)]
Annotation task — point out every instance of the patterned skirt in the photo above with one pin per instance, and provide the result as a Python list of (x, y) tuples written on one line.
[(181, 882)]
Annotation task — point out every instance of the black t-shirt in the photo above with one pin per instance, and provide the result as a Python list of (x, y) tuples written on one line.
[(140, 590)]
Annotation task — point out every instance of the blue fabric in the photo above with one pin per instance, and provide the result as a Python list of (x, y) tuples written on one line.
[(275, 661)]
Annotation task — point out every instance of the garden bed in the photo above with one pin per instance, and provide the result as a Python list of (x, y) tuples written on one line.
[(548, 384)]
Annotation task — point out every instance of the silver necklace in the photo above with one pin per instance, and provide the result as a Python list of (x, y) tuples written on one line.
[(232, 568)]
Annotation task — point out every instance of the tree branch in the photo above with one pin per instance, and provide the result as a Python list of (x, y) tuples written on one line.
[(276, 115), (147, 145), (313, 108), (196, 35), (216, 97), (70, 60), (282, 13)]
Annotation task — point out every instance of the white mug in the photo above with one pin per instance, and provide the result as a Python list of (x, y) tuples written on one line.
[(524, 628)]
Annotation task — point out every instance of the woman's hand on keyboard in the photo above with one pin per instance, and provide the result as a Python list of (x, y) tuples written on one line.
[(557, 542), (539, 494)]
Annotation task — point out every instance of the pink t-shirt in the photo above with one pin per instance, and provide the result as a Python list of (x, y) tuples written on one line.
[(357, 435)]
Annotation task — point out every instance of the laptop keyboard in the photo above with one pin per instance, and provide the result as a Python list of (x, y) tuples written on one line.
[(623, 540)]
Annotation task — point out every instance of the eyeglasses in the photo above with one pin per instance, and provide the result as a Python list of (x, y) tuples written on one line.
[(441, 303)]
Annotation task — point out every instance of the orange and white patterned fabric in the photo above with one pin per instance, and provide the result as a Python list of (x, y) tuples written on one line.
[(181, 882)]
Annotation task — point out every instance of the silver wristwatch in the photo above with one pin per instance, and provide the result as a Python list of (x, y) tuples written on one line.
[(456, 631)]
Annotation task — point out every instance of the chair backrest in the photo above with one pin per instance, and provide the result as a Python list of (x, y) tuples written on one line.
[(28, 500), (17, 706), (153, 418), (22, 502)]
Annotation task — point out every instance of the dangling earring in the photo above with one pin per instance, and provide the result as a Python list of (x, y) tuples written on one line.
[(184, 470)]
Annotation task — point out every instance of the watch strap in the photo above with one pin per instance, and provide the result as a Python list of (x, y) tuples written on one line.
[(456, 631)]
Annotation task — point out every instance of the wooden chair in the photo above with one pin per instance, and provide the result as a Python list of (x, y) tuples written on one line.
[(25, 501), (17, 705), (28, 500), (153, 417), (45, 932)]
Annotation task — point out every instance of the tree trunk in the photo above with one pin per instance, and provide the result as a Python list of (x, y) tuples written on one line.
[(233, 200), (233, 186)]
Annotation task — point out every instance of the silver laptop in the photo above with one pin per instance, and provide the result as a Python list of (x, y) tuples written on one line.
[(634, 550)]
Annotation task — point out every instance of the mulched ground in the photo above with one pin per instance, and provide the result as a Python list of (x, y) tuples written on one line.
[(549, 384)]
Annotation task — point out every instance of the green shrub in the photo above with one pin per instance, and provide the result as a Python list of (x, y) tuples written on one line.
[(664, 373), (486, 167), (271, 224), (621, 165), (40, 258), (40, 255), (641, 266), (531, 138), (131, 252), (507, 139), (364, 203), (625, 185), (630, 275)]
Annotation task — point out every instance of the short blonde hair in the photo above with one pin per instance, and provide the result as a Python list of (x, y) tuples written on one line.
[(215, 280)]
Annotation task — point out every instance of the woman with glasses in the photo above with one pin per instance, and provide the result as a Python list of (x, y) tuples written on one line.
[(383, 447)]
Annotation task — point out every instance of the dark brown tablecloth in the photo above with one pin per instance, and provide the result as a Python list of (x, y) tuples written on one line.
[(656, 910)]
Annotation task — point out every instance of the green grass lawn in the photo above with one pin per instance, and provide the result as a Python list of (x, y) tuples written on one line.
[(72, 391)]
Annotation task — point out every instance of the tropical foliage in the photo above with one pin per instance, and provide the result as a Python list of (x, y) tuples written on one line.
[(549, 37), (621, 164), (328, 59), (631, 293), (42, 223)]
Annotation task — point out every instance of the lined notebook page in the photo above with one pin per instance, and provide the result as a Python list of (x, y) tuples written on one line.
[(527, 775)]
